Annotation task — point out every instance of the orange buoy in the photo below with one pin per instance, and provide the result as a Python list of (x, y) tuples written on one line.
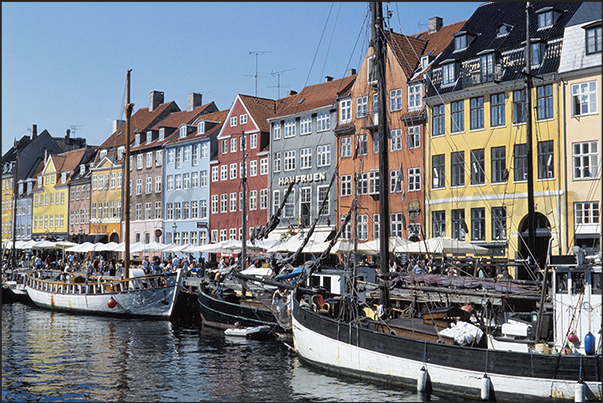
[(112, 303)]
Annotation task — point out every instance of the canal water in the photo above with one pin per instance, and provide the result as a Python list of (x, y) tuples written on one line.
[(51, 356)]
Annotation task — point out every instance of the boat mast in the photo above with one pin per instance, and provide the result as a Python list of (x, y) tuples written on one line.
[(15, 194), (126, 188), (378, 42), (530, 163), (244, 202)]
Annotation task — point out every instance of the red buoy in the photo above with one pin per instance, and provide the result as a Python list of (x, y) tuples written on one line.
[(572, 337), (112, 303)]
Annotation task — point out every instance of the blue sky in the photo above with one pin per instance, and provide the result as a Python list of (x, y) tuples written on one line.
[(64, 64)]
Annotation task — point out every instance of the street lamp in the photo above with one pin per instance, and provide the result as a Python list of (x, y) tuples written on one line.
[(174, 227)]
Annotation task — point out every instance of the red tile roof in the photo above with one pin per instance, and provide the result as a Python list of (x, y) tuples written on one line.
[(260, 110)]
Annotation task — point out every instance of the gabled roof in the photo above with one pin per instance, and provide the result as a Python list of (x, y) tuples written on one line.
[(407, 50), (314, 97), (68, 162), (217, 117), (140, 121), (260, 110), (437, 41)]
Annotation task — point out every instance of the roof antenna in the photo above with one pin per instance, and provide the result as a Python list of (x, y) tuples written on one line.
[(278, 73), (257, 53)]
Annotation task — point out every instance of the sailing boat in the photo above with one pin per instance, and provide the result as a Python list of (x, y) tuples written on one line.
[(348, 339), (136, 294)]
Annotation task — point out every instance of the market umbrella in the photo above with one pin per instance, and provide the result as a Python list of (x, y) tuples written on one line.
[(444, 245)]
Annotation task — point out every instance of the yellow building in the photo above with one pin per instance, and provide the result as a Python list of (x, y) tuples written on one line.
[(7, 205), (580, 70), (106, 201), (50, 204), (476, 158)]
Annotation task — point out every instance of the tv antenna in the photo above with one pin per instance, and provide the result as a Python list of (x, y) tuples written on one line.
[(73, 128), (257, 53), (278, 73)]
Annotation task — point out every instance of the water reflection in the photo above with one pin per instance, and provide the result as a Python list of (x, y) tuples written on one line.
[(51, 356)]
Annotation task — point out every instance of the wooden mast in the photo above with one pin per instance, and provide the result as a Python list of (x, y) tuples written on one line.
[(380, 50), (126, 188)]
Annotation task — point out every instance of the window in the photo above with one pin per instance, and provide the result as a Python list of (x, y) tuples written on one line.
[(233, 121), (289, 164), (264, 166), (499, 224), (361, 183), (438, 120), (305, 201), (377, 226), (519, 106), (187, 154), (396, 140), (243, 119), (177, 182), (305, 125), (537, 53), (253, 200), (457, 116), (139, 161), (147, 210), (457, 168), (458, 224), (276, 200), (477, 113), (263, 199), (395, 180), (138, 212), (276, 131), (346, 232), (195, 179), (449, 73), (205, 150), (214, 174), (233, 145), (253, 168), (520, 162), (438, 180), (478, 224), (138, 186), (460, 42), (149, 185), (224, 203), (371, 70), (214, 204), (289, 128), (233, 201), (497, 109), (323, 121), (323, 156), (277, 162), (593, 40), (186, 180), (305, 158), (415, 96), (178, 163), (224, 172), (224, 148), (112, 186), (477, 167), (362, 144), (157, 210), (413, 138), (586, 160), (545, 19), (361, 106), (203, 209), (586, 213), (346, 185), (289, 210), (545, 159), (345, 111), (395, 100), (373, 182), (498, 161), (346, 147), (584, 97), (362, 227), (170, 155), (253, 140), (438, 223), (414, 179), (544, 96), (186, 210), (149, 159), (233, 171)]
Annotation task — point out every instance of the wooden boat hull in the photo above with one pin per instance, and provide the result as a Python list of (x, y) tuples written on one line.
[(152, 301), (14, 293), (359, 351), (222, 314)]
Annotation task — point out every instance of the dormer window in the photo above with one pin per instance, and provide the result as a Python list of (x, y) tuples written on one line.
[(82, 168), (63, 177), (537, 52), (462, 40), (425, 60), (371, 71), (103, 154), (137, 140), (593, 38), (547, 16), (201, 127), (449, 72), (182, 131), (149, 137), (120, 152), (503, 29), (162, 134)]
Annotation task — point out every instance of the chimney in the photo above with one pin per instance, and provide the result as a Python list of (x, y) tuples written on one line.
[(67, 133), (328, 78), (291, 92), (350, 72), (117, 124), (194, 100), (155, 100), (435, 23), (34, 131)]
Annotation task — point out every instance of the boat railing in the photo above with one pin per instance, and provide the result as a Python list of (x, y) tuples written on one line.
[(59, 282)]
